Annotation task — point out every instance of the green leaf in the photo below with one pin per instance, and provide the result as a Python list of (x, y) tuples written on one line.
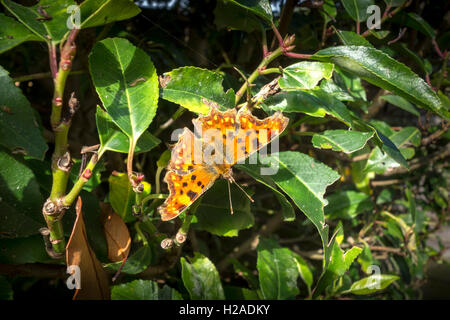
[(112, 138), (347, 204), (21, 213), (381, 70), (213, 213), (122, 197), (372, 284), (19, 131), (195, 89), (13, 33), (329, 10), (143, 290), (395, 3), (351, 83), (357, 9), (127, 84), (53, 29), (304, 271), (201, 278), (296, 101), (246, 273), (316, 103), (305, 75), (246, 15), (330, 87), (339, 264), (350, 38), (393, 154), (380, 34), (406, 134), (23, 250), (334, 107), (277, 270), (304, 180), (413, 20), (341, 140), (136, 262), (100, 12), (254, 171), (402, 103)]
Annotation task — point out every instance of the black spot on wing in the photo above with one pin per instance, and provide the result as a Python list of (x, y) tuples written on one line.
[(191, 194)]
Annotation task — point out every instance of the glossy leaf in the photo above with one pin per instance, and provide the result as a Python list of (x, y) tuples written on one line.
[(122, 197), (402, 103), (13, 33), (254, 171), (406, 134), (21, 213), (415, 21), (379, 69), (143, 290), (347, 204), (304, 271), (330, 87), (357, 9), (113, 139), (214, 215), (277, 270), (341, 140), (339, 264), (247, 15), (350, 83), (297, 101), (372, 284), (127, 84), (201, 278), (100, 12), (52, 29), (305, 75), (350, 38), (196, 89), (316, 103), (304, 180), (19, 131)]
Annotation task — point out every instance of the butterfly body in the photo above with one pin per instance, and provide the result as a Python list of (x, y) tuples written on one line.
[(220, 140)]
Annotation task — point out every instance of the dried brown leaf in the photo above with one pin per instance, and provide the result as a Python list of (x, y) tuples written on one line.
[(117, 235), (93, 278)]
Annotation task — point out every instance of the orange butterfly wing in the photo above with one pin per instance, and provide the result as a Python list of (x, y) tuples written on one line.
[(187, 181), (185, 189), (181, 158), (254, 133)]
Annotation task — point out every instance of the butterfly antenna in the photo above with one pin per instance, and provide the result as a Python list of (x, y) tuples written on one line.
[(242, 189), (229, 196)]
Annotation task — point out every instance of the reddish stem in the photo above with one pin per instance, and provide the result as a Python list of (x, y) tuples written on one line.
[(52, 59)]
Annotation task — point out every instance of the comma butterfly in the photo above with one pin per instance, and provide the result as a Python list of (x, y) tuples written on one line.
[(220, 140)]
